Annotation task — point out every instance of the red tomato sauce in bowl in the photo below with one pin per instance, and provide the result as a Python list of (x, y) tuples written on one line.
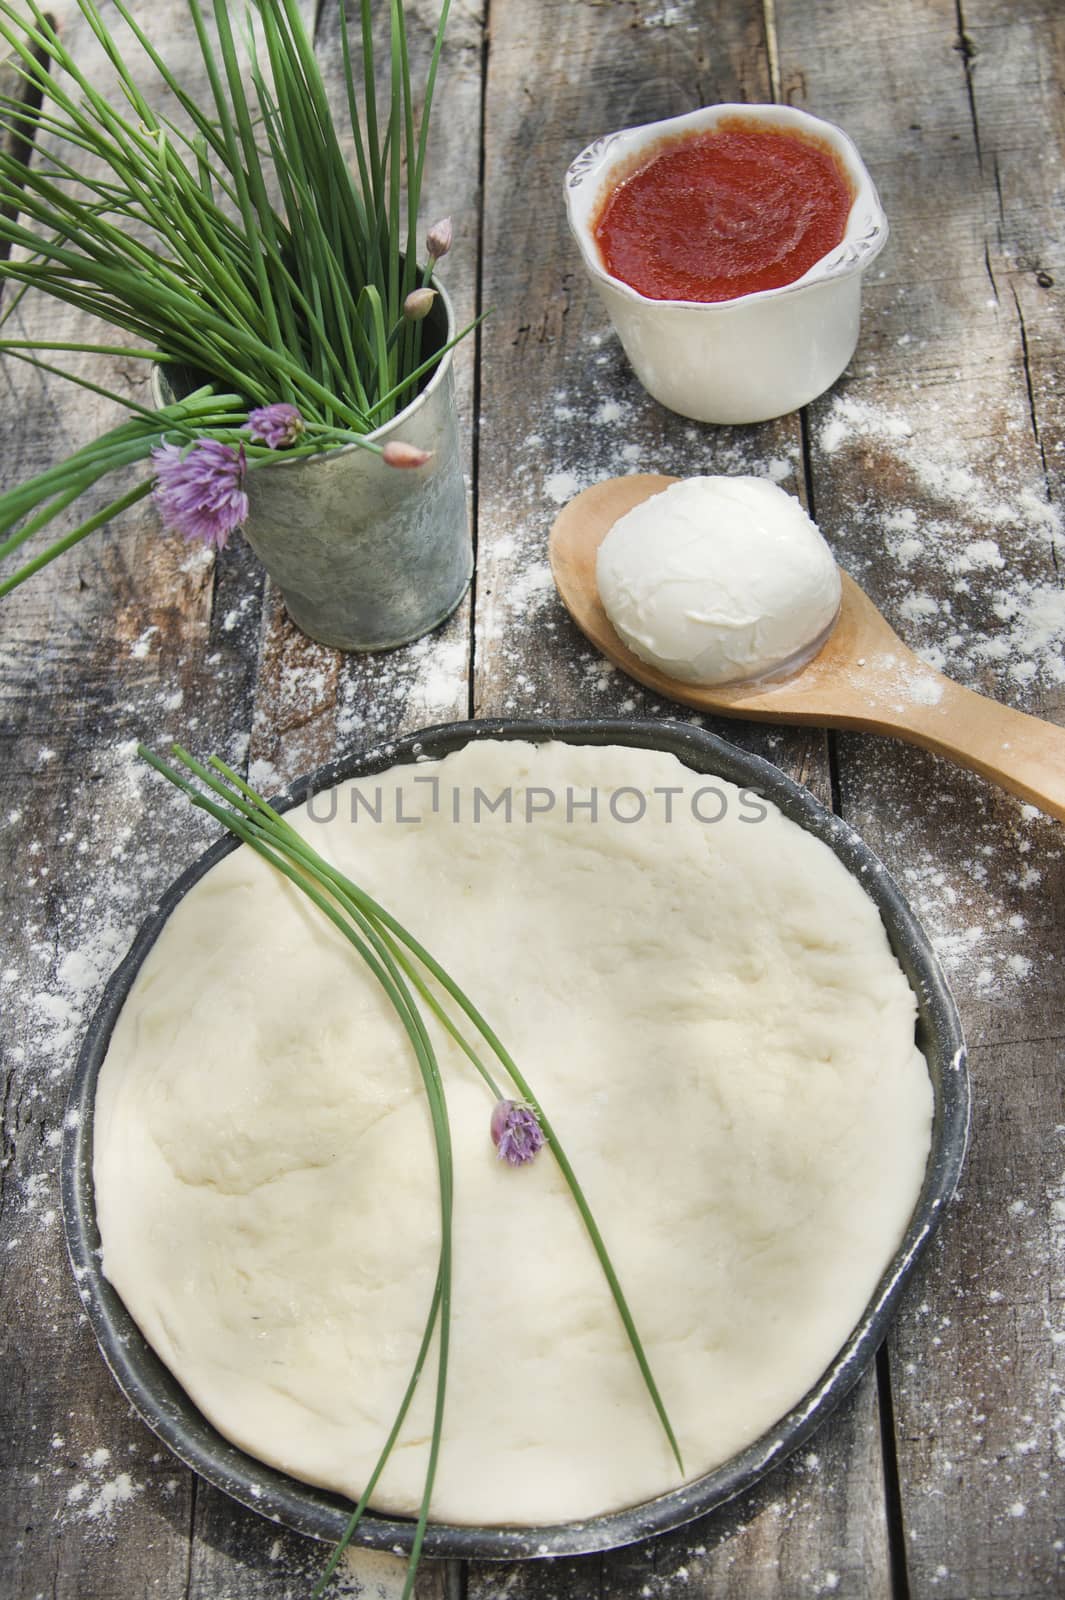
[(725, 213)]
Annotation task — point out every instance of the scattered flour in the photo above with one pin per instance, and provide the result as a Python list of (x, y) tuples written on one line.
[(113, 841), (40, 1198), (971, 889), (111, 1494), (61, 1010), (264, 776), (562, 486), (100, 1492), (233, 619), (852, 418), (1001, 626), (609, 411), (532, 589), (140, 647), (666, 17), (899, 684), (613, 438)]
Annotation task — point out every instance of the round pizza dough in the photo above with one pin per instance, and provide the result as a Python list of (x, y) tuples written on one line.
[(710, 1014)]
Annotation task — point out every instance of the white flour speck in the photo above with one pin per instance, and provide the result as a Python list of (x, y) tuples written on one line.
[(609, 411), (562, 486), (117, 1491), (140, 647)]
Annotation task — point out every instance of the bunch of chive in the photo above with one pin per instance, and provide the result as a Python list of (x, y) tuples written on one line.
[(405, 970), (314, 302)]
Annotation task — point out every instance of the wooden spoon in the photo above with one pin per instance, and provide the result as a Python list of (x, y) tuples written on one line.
[(862, 677)]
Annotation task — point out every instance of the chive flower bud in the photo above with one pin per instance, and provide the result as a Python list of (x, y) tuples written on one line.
[(398, 454), (418, 304), (438, 239), (277, 425), (200, 492), (516, 1133)]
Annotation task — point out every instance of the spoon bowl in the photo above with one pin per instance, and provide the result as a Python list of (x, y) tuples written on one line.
[(863, 676)]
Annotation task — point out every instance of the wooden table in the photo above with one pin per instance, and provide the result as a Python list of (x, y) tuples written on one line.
[(935, 468)]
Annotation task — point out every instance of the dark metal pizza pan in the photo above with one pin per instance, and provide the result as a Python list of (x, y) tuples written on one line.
[(168, 1411)]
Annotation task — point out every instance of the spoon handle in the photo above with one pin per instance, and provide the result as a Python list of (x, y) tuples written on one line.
[(1020, 753)]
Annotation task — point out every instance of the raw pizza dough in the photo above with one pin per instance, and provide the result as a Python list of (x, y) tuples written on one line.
[(710, 1014)]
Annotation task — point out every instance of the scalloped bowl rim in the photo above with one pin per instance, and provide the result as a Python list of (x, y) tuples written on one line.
[(864, 236)]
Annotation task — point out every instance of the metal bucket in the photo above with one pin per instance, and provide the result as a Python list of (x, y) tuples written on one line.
[(368, 556)]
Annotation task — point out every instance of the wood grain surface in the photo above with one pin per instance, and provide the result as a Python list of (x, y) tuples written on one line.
[(974, 1353), (935, 468)]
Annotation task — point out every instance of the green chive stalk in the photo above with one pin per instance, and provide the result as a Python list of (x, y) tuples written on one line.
[(406, 971), (242, 245)]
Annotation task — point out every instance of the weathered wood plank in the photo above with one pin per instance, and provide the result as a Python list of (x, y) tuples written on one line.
[(1017, 68), (127, 638), (241, 1557), (560, 409), (930, 475), (357, 701)]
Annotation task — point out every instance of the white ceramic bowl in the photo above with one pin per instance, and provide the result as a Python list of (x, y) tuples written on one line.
[(760, 355)]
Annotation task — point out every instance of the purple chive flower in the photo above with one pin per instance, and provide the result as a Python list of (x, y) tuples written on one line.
[(200, 492), (277, 425), (516, 1133)]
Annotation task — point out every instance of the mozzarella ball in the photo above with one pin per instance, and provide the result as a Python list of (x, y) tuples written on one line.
[(718, 579)]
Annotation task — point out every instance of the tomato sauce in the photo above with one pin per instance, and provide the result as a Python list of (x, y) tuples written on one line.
[(725, 213)]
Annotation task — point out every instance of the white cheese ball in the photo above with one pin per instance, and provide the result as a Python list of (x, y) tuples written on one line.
[(718, 579)]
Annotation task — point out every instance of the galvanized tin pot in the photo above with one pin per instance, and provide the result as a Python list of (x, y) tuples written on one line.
[(369, 556)]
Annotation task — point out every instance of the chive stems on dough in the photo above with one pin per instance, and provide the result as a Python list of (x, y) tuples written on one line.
[(407, 973)]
